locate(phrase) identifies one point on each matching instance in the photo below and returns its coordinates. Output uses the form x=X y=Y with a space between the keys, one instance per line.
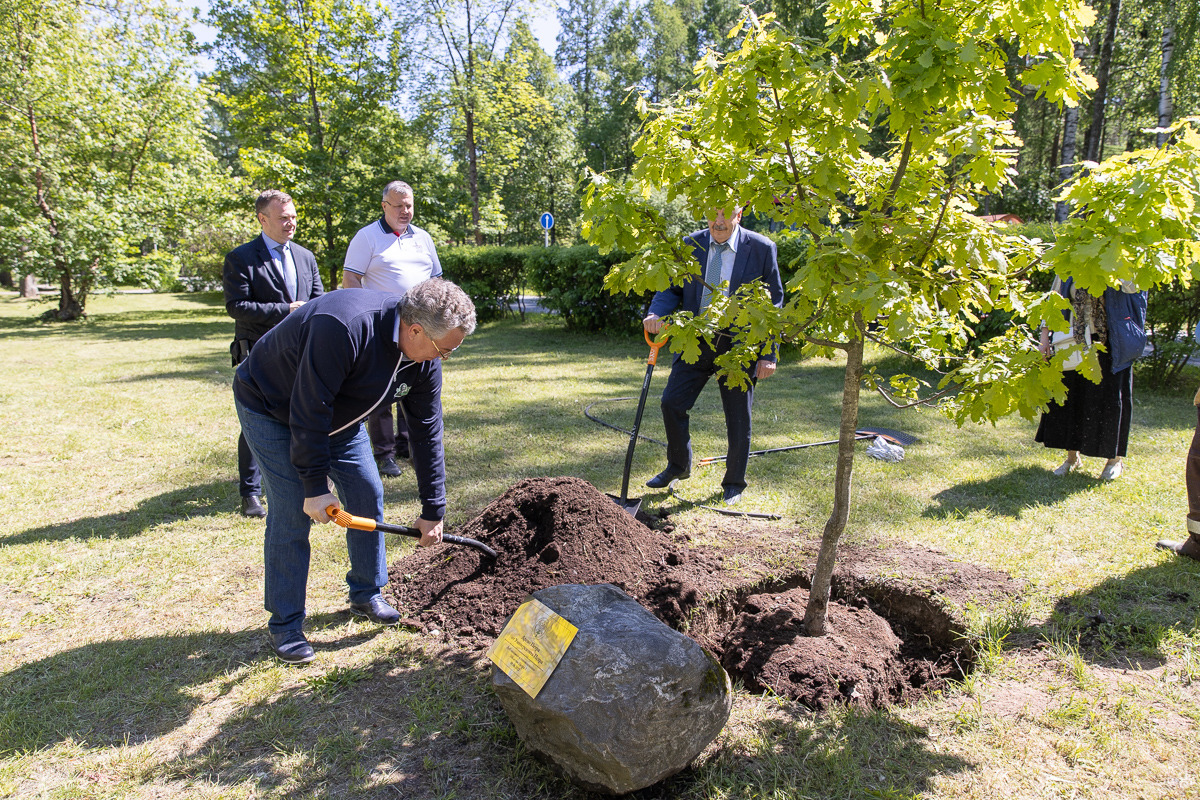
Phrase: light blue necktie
x=289 y=271
x=712 y=272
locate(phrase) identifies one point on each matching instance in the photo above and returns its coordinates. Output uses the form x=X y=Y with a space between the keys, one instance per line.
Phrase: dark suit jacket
x=254 y=293
x=756 y=259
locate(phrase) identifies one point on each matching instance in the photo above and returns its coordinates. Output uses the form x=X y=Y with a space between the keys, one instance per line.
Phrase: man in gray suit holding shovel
x=265 y=279
x=730 y=256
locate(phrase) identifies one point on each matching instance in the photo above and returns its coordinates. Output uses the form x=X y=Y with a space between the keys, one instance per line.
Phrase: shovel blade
x=631 y=504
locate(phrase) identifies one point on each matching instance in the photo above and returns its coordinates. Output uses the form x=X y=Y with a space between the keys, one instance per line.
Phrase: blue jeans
x=285 y=546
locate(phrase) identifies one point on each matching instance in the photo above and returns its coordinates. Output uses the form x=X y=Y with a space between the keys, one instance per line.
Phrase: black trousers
x=1192 y=479
x=683 y=389
x=388 y=438
x=249 y=476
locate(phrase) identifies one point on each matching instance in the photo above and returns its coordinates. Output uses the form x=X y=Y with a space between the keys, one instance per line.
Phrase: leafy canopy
x=874 y=147
x=102 y=140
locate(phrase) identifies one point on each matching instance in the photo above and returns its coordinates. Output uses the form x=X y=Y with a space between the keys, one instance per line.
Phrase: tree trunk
x=1165 y=107
x=1067 y=164
x=330 y=233
x=816 y=614
x=69 y=306
x=473 y=174
x=1094 y=142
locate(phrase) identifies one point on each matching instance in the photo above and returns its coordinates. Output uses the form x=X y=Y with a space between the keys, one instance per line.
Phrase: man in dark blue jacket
x=730 y=255
x=302 y=396
x=265 y=279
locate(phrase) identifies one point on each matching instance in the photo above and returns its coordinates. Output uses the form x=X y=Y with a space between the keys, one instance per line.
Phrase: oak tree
x=874 y=146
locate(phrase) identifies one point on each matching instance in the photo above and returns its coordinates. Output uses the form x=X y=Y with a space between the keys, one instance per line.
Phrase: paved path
x=532 y=304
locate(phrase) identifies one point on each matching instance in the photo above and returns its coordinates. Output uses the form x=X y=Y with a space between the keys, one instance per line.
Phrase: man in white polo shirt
x=390 y=255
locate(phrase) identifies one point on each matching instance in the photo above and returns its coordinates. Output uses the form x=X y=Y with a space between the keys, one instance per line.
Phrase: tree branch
x=924 y=401
x=901 y=168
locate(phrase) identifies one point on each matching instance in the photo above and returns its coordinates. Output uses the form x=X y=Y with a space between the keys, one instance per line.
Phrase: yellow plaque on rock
x=531 y=645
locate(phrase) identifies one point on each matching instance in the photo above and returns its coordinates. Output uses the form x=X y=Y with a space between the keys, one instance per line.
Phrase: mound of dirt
x=857 y=663
x=895 y=620
x=546 y=532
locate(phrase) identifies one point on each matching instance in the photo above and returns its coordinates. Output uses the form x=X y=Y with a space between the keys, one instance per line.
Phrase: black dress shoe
x=389 y=467
x=666 y=477
x=292 y=647
x=1188 y=548
x=252 y=507
x=732 y=495
x=377 y=610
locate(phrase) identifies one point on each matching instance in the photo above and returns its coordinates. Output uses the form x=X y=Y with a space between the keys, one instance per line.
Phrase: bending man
x=301 y=397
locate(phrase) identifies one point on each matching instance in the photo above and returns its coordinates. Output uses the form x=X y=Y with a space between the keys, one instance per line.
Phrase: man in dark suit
x=729 y=256
x=265 y=279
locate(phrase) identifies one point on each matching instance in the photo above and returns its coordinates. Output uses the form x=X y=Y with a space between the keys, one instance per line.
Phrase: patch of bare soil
x=895 y=621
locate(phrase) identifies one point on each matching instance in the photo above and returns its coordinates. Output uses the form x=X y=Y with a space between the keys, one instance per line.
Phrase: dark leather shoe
x=1188 y=548
x=377 y=610
x=666 y=478
x=292 y=647
x=389 y=467
x=252 y=507
x=732 y=495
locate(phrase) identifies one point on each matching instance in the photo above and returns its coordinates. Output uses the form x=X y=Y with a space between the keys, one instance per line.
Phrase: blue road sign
x=547 y=220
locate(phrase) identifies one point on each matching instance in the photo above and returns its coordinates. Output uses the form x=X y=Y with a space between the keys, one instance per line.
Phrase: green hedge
x=571 y=283
x=492 y=276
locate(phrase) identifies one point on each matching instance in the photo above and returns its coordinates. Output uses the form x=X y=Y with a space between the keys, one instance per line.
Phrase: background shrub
x=570 y=281
x=492 y=276
x=1171 y=315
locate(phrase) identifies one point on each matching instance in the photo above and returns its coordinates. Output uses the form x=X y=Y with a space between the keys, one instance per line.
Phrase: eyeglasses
x=444 y=354
x=396 y=205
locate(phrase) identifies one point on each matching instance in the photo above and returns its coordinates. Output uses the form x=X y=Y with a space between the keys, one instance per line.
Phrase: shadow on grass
x=1131 y=620
x=108 y=693
x=414 y=720
x=214 y=368
x=399 y=722
x=215 y=497
x=845 y=754
x=1006 y=495
x=183 y=324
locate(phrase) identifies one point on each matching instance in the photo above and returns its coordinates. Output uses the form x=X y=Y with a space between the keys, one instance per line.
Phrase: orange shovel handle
x=654 y=346
x=349 y=520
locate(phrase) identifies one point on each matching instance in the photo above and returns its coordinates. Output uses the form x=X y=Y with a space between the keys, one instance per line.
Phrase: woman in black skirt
x=1094 y=419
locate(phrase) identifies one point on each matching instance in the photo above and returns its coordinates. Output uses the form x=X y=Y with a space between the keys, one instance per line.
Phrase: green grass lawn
x=133 y=657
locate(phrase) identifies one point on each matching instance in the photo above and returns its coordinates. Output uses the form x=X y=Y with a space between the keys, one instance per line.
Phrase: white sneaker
x=1067 y=466
x=1112 y=471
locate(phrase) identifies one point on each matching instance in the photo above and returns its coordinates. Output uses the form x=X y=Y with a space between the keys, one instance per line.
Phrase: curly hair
x=439 y=306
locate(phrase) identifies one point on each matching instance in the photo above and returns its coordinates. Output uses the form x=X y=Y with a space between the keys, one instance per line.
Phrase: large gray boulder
x=631 y=702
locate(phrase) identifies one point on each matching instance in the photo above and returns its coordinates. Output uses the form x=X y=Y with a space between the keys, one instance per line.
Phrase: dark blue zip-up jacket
x=329 y=363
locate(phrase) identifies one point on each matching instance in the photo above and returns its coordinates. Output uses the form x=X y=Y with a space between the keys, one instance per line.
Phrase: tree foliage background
x=102 y=144
x=132 y=153
x=875 y=145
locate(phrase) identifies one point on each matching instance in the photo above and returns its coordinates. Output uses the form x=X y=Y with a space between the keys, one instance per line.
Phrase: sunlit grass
x=133 y=658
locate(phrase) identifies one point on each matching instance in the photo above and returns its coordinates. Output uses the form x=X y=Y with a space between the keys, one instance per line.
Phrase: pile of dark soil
x=890 y=638
x=546 y=532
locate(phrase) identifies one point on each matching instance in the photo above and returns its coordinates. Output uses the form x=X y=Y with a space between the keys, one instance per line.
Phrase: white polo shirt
x=391 y=263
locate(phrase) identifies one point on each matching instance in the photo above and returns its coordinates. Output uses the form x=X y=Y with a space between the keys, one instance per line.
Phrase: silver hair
x=439 y=306
x=399 y=187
